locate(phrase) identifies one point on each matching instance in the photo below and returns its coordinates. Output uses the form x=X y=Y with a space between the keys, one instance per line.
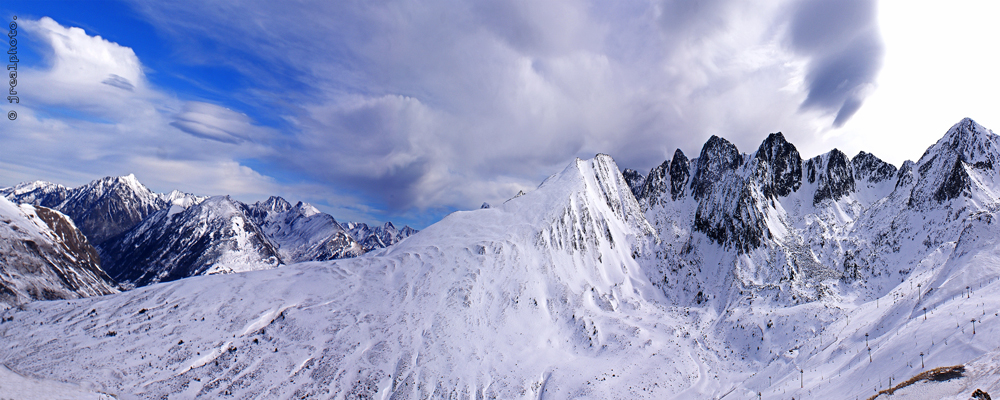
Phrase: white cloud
x=213 y=122
x=448 y=104
x=120 y=124
x=85 y=72
x=442 y=103
x=206 y=177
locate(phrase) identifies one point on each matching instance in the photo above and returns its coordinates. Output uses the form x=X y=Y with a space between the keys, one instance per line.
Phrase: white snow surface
x=37 y=261
x=16 y=387
x=573 y=290
x=177 y=198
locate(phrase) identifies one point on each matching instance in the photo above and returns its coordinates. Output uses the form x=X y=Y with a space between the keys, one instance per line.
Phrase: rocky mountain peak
x=974 y=144
x=717 y=157
x=946 y=169
x=833 y=173
x=656 y=183
x=274 y=204
x=109 y=206
x=127 y=183
x=780 y=166
x=680 y=174
x=869 y=168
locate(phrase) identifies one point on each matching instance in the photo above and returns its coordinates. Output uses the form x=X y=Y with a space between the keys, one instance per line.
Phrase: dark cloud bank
x=446 y=104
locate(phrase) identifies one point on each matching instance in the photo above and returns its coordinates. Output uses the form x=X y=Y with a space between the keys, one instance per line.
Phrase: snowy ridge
x=37 y=193
x=214 y=236
x=578 y=290
x=44 y=257
x=379 y=237
x=474 y=288
x=102 y=209
x=181 y=199
x=302 y=232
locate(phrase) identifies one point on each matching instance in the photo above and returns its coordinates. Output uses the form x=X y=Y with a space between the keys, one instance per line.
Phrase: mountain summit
x=732 y=276
x=102 y=209
x=143 y=237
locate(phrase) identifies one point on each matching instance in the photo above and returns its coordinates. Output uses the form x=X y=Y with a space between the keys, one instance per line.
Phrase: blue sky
x=406 y=111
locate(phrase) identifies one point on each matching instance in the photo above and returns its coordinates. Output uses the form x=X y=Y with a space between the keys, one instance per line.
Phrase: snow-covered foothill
x=43 y=256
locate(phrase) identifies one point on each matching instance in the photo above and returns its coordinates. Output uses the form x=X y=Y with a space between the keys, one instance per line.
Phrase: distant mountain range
x=144 y=237
x=732 y=274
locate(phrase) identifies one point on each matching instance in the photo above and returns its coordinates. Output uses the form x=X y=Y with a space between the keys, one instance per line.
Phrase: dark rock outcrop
x=717 y=157
x=834 y=174
x=43 y=256
x=656 y=184
x=869 y=168
x=780 y=168
x=680 y=173
x=635 y=181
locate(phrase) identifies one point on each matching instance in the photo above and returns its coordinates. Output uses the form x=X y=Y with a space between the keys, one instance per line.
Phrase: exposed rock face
x=680 y=173
x=656 y=183
x=101 y=209
x=733 y=216
x=869 y=168
x=906 y=176
x=956 y=182
x=967 y=154
x=43 y=256
x=834 y=174
x=717 y=158
x=730 y=201
x=635 y=181
x=215 y=236
x=780 y=169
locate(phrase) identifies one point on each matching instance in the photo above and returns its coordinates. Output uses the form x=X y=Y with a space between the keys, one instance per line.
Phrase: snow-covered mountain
x=144 y=237
x=181 y=199
x=217 y=235
x=37 y=193
x=733 y=275
x=43 y=256
x=222 y=235
x=102 y=209
x=303 y=233
x=372 y=238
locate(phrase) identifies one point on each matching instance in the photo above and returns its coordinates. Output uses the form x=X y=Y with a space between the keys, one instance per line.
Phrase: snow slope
x=43 y=256
x=578 y=290
x=541 y=295
x=214 y=236
x=303 y=233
